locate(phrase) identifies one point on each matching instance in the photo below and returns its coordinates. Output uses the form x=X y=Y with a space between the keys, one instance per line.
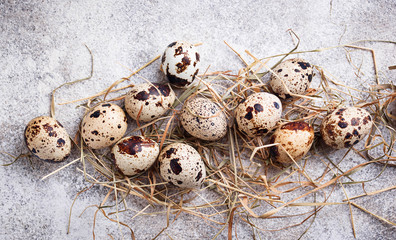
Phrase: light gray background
x=41 y=47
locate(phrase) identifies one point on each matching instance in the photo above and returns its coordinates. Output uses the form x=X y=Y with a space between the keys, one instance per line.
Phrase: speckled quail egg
x=104 y=125
x=203 y=119
x=134 y=154
x=345 y=127
x=295 y=137
x=258 y=114
x=152 y=100
x=182 y=165
x=180 y=63
x=47 y=139
x=295 y=74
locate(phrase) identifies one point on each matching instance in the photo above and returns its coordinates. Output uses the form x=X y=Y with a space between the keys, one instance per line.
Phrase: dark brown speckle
x=133 y=145
x=60 y=143
x=198 y=177
x=170 y=151
x=172 y=44
x=348 y=136
x=276 y=105
x=297 y=126
x=342 y=124
x=95 y=114
x=175 y=166
x=258 y=108
x=182 y=66
x=304 y=65
x=356 y=133
x=179 y=82
x=249 y=114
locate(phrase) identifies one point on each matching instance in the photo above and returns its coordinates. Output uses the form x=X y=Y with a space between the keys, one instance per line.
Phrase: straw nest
x=246 y=184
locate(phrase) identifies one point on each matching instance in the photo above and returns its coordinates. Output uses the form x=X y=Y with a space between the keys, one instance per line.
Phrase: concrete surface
x=41 y=47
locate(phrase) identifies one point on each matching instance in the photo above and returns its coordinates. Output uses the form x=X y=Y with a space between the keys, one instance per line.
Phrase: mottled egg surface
x=182 y=165
x=203 y=119
x=104 y=125
x=296 y=74
x=345 y=127
x=296 y=138
x=47 y=139
x=258 y=114
x=180 y=63
x=134 y=154
x=152 y=100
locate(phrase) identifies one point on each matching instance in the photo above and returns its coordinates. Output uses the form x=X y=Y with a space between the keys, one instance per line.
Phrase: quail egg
x=295 y=74
x=182 y=165
x=47 y=139
x=345 y=127
x=295 y=137
x=258 y=114
x=180 y=63
x=151 y=100
x=104 y=125
x=134 y=154
x=203 y=119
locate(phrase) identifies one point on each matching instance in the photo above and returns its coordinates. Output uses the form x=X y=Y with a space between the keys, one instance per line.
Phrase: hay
x=248 y=185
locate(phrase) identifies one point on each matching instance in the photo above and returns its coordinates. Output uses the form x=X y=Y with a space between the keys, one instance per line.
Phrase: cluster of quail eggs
x=261 y=112
x=202 y=118
x=105 y=125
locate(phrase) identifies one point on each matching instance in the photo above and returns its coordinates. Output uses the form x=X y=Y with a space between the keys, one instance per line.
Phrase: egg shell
x=153 y=99
x=296 y=74
x=258 y=114
x=47 y=139
x=345 y=127
x=104 y=125
x=203 y=119
x=295 y=137
x=180 y=63
x=182 y=165
x=134 y=154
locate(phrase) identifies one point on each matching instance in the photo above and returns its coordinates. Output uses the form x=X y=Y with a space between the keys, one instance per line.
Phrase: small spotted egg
x=134 y=154
x=180 y=63
x=296 y=138
x=258 y=114
x=182 y=165
x=47 y=139
x=295 y=74
x=203 y=119
x=104 y=125
x=345 y=127
x=151 y=100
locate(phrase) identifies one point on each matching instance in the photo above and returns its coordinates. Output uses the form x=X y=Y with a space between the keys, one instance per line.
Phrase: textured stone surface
x=42 y=47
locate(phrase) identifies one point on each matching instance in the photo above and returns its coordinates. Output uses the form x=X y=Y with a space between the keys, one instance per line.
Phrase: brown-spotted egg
x=203 y=119
x=345 y=127
x=134 y=154
x=180 y=63
x=151 y=100
x=258 y=114
x=47 y=139
x=182 y=165
x=295 y=74
x=295 y=138
x=104 y=125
